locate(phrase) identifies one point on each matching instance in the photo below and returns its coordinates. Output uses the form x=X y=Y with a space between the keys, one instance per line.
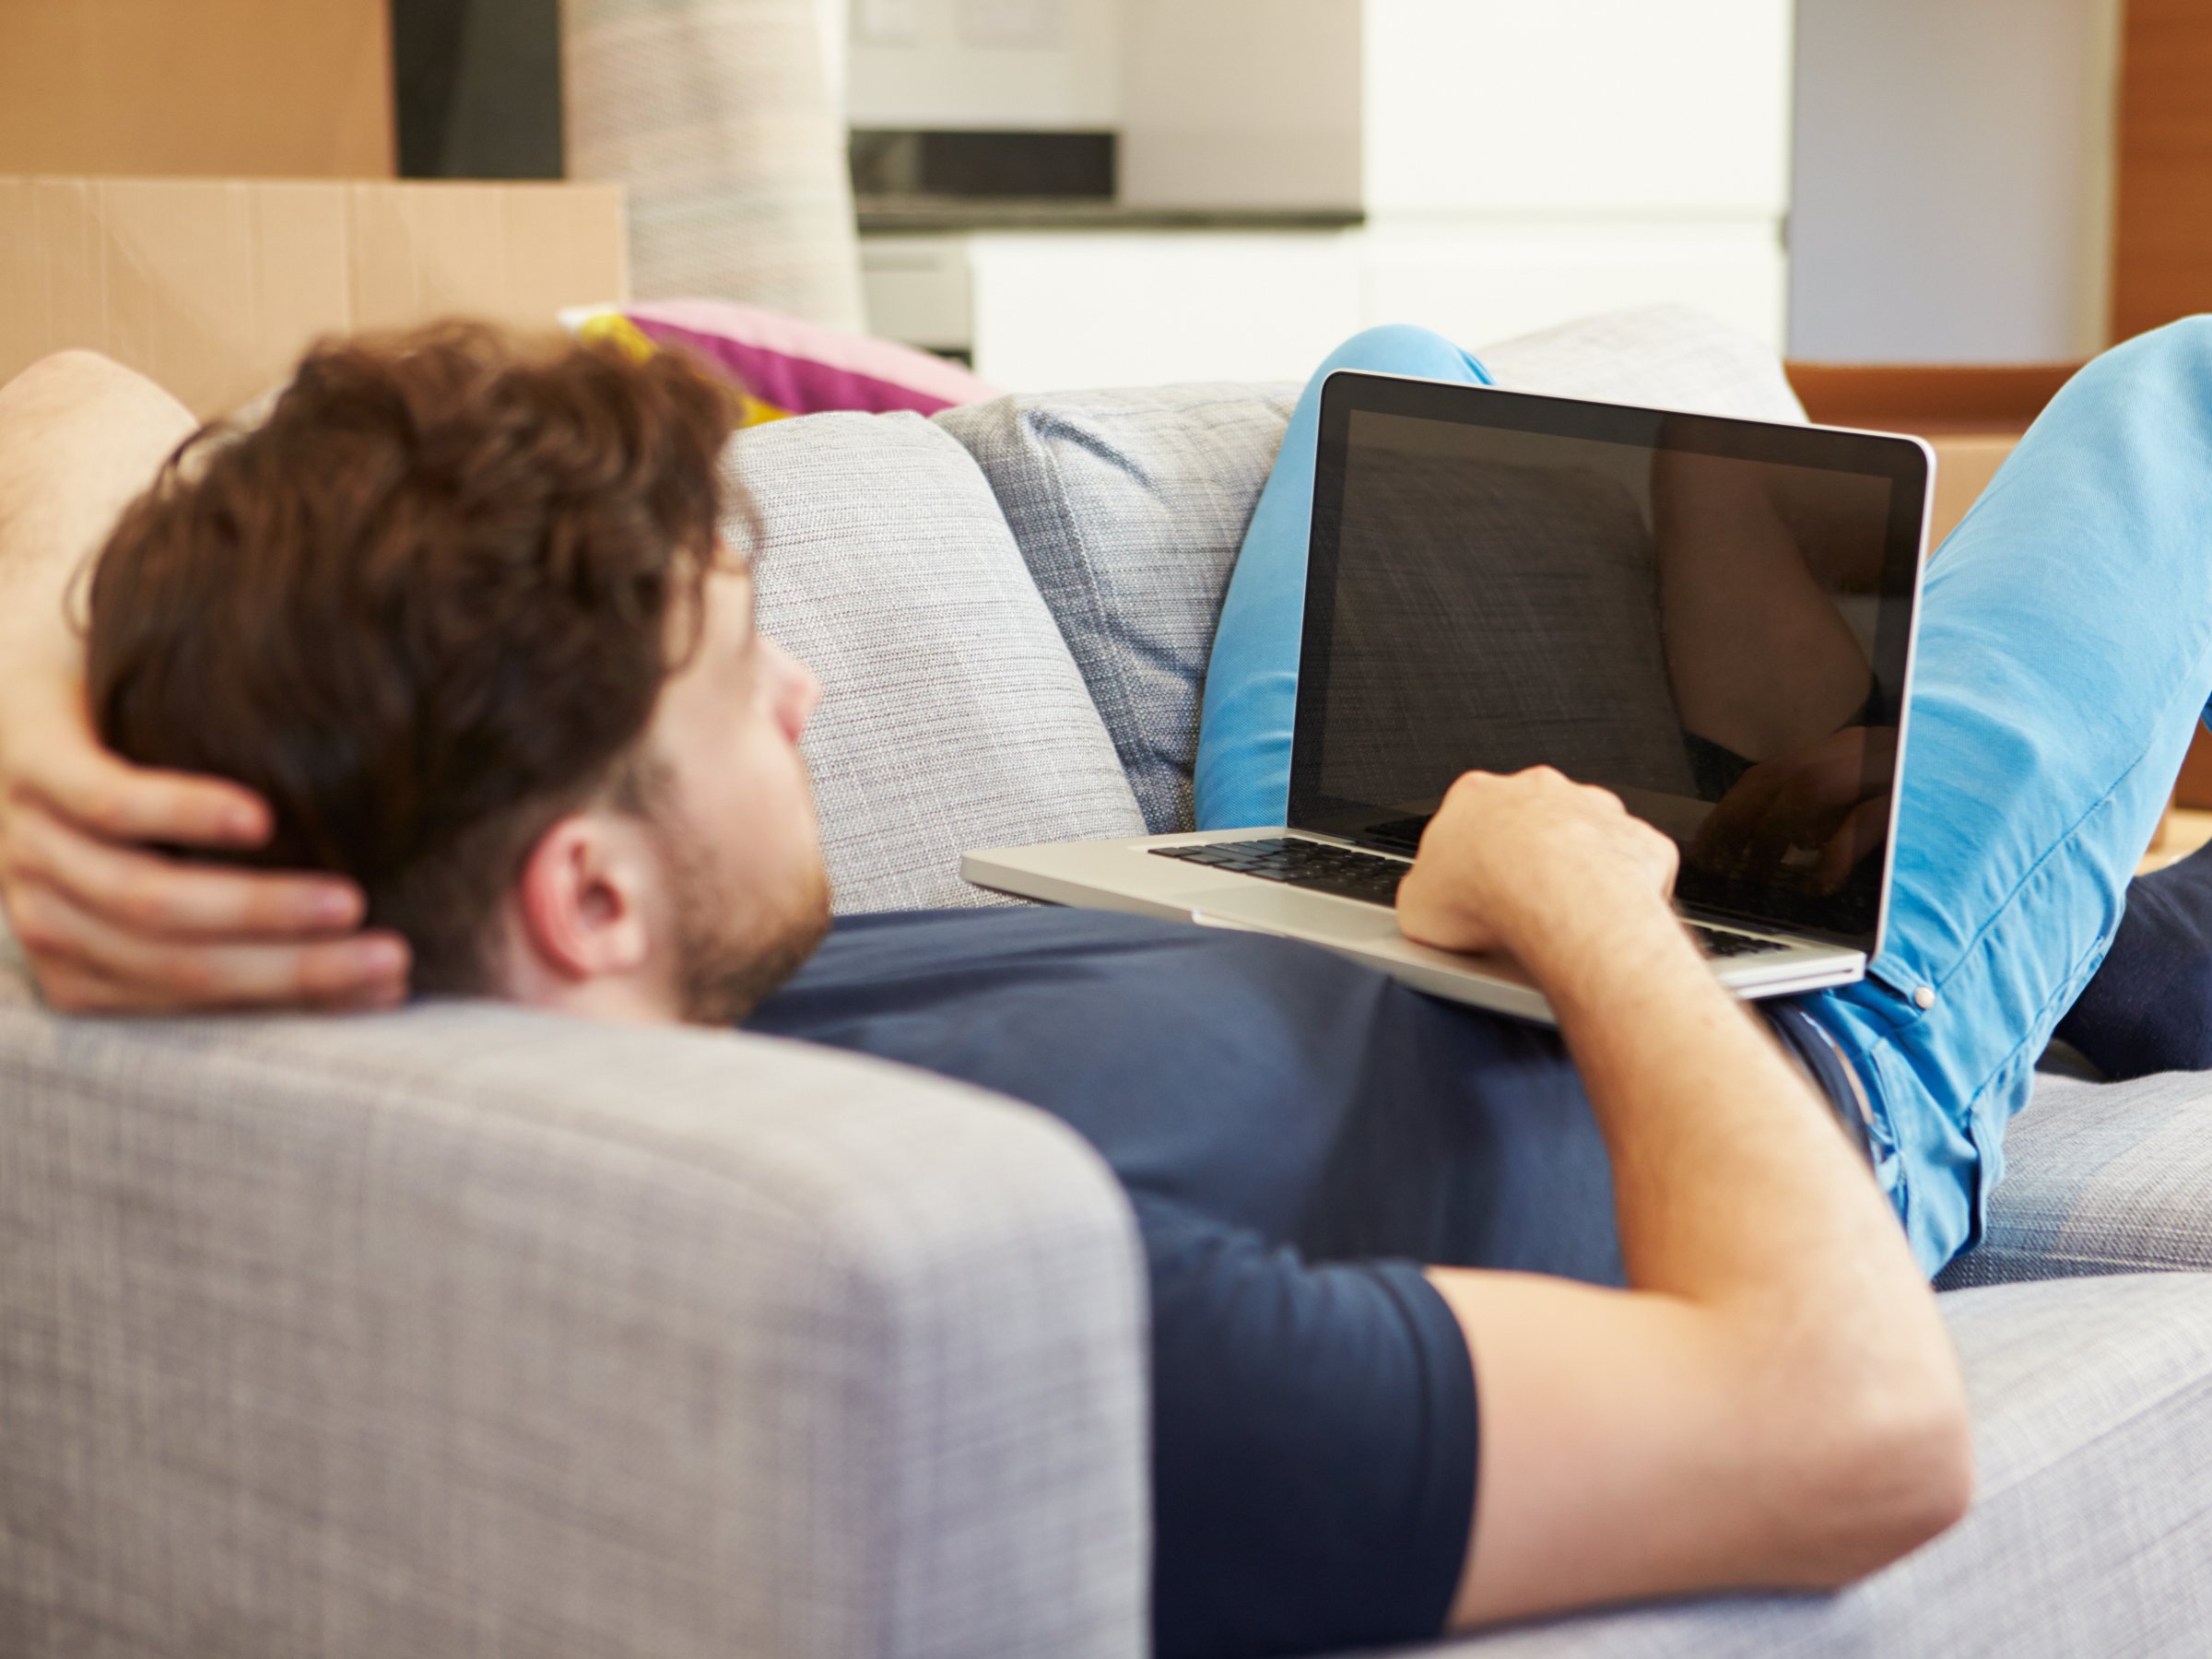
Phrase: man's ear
x=584 y=901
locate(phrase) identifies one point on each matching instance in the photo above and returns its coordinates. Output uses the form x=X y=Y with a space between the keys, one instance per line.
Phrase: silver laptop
x=1712 y=618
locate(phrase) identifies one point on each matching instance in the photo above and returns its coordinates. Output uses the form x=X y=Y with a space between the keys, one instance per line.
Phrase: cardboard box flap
x=215 y=287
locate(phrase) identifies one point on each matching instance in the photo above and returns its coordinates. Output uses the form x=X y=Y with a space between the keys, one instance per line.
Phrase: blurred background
x=1082 y=192
x=1935 y=210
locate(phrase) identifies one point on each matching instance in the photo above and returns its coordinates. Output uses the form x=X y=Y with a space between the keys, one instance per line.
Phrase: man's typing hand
x=111 y=925
x=1525 y=862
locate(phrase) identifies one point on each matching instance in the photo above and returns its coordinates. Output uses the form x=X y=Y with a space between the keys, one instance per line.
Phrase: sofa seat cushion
x=1130 y=505
x=2101 y=1178
x=2091 y=1527
x=952 y=716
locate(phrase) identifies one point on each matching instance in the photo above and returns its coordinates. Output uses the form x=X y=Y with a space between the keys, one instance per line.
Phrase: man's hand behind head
x=107 y=924
x=1528 y=862
x=426 y=612
x=110 y=926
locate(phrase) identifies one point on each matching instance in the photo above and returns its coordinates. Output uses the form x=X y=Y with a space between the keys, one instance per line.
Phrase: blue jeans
x=2064 y=659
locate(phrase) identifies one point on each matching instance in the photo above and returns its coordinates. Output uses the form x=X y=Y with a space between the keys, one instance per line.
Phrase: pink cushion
x=787 y=367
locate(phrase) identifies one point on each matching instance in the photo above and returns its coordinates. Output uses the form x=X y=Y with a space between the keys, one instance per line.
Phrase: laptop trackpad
x=1267 y=908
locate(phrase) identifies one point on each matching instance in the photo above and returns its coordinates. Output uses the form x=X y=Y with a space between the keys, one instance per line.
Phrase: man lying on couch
x=457 y=619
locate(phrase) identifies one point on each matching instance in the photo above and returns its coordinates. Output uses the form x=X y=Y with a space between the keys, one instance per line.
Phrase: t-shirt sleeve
x=1315 y=1443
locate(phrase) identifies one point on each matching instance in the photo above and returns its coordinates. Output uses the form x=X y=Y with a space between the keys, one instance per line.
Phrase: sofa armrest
x=467 y=1330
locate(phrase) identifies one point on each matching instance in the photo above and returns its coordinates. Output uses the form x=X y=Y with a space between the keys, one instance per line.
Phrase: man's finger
x=69 y=989
x=378 y=998
x=148 y=894
x=160 y=975
x=90 y=787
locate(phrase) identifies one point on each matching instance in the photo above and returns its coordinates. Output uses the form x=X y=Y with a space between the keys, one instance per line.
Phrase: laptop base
x=1126 y=876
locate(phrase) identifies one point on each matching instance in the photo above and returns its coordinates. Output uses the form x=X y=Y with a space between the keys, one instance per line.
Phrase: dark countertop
x=951 y=215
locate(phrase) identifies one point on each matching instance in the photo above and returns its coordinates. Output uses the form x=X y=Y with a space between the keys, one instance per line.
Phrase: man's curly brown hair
x=425 y=609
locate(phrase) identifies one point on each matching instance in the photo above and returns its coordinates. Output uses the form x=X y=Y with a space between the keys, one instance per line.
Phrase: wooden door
x=2162 y=231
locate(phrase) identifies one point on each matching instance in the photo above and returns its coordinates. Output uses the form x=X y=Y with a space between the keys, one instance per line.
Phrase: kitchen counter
x=953 y=215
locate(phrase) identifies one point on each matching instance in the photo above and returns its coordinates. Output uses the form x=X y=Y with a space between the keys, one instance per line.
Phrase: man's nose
x=801 y=694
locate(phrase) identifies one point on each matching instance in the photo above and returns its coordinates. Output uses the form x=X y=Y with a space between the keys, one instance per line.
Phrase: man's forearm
x=1738 y=1196
x=79 y=437
x=1773 y=1401
x=1731 y=1179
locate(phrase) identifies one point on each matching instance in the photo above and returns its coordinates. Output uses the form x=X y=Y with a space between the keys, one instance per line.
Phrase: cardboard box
x=1965 y=463
x=262 y=88
x=1972 y=413
x=215 y=287
x=1928 y=398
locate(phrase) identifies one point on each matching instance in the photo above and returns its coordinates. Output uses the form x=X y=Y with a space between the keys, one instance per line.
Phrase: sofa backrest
x=952 y=716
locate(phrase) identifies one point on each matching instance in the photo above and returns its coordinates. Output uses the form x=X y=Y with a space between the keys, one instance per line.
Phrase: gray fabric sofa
x=467 y=1331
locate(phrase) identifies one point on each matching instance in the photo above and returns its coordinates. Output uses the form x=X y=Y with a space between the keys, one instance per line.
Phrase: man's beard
x=728 y=961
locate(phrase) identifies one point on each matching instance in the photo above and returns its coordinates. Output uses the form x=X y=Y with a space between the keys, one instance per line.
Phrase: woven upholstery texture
x=1130 y=505
x=2091 y=1531
x=952 y=716
x=469 y=1331
x=2100 y=1177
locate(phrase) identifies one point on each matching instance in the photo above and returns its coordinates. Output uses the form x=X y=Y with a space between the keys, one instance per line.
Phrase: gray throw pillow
x=1130 y=506
x=952 y=716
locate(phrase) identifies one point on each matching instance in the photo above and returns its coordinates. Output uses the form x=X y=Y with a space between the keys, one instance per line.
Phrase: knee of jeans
x=2190 y=336
x=2182 y=347
x=1407 y=349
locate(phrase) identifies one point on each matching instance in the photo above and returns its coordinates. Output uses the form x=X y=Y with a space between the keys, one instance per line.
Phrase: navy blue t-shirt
x=1298 y=1134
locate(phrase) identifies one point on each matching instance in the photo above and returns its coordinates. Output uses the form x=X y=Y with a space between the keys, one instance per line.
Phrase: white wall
x=984 y=64
x=1952 y=192
x=1560 y=107
x=1054 y=311
x=1245 y=103
x=1528 y=162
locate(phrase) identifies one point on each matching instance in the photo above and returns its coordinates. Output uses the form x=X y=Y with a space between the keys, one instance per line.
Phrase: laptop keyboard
x=1321 y=866
x=1349 y=873
x=1720 y=942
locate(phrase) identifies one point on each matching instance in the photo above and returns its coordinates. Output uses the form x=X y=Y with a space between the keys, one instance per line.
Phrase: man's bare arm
x=107 y=924
x=1773 y=1402
x=83 y=436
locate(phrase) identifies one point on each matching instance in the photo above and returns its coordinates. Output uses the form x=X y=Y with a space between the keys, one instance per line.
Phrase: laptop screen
x=1711 y=618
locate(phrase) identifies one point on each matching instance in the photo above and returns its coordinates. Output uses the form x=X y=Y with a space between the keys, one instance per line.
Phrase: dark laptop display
x=1703 y=615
